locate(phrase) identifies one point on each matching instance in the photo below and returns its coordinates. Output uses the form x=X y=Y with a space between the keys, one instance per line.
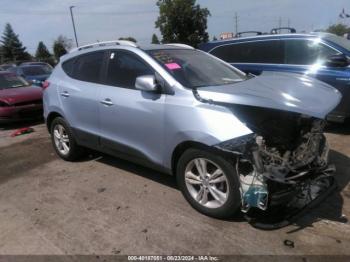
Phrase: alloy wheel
x=61 y=139
x=206 y=182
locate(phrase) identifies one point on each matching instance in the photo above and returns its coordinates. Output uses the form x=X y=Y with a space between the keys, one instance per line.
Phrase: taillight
x=45 y=84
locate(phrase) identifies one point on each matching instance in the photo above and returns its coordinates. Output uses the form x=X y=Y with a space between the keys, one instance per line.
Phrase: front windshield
x=341 y=41
x=36 y=70
x=11 y=81
x=193 y=68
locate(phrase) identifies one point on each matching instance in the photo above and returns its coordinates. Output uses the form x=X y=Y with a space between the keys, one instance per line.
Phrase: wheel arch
x=50 y=118
x=182 y=147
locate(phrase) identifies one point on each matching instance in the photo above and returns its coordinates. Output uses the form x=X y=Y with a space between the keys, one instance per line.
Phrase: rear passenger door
x=252 y=56
x=79 y=95
x=131 y=120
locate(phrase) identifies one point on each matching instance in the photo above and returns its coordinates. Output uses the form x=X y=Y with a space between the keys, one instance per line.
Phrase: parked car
x=48 y=66
x=232 y=140
x=320 y=55
x=35 y=74
x=5 y=67
x=18 y=99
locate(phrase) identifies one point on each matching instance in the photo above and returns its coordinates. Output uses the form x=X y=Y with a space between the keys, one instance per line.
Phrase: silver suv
x=234 y=141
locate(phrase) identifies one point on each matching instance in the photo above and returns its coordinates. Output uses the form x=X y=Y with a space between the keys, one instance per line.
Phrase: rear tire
x=209 y=183
x=64 y=141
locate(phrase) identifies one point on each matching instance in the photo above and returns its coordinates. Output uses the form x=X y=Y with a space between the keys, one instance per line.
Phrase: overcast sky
x=44 y=20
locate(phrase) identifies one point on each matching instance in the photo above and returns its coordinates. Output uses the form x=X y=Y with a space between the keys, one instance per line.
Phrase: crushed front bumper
x=309 y=196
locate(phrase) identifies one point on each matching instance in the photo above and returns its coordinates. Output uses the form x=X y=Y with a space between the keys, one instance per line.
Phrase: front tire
x=64 y=141
x=209 y=183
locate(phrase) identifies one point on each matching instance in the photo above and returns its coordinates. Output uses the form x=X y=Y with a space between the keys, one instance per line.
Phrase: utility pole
x=236 y=23
x=288 y=22
x=75 y=33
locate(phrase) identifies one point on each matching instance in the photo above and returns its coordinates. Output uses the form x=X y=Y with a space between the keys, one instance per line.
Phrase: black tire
x=233 y=201
x=75 y=151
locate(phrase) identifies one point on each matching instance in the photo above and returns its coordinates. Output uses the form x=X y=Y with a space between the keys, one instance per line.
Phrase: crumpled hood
x=282 y=91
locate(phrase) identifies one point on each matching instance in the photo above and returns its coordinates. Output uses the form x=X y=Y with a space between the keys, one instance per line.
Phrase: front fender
x=203 y=123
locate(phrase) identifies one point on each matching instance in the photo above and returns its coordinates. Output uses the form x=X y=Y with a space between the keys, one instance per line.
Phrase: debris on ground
x=100 y=190
x=22 y=131
x=288 y=243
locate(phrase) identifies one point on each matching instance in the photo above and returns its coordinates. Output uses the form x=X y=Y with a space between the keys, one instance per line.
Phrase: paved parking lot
x=103 y=205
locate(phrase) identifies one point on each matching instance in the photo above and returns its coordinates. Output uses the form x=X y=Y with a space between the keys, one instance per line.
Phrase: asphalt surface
x=103 y=205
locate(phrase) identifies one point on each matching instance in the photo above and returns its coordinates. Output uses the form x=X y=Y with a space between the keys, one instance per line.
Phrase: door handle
x=65 y=94
x=107 y=102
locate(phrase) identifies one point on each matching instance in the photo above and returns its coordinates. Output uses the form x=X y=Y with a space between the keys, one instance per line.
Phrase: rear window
x=251 y=52
x=11 y=81
x=35 y=70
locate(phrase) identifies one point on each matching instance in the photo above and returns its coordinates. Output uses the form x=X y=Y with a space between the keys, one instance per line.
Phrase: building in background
x=227 y=35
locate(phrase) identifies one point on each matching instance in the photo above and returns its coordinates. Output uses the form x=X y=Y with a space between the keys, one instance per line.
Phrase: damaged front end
x=284 y=163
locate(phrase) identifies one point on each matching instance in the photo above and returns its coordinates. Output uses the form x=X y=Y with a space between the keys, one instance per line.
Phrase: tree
x=61 y=45
x=58 y=49
x=338 y=29
x=2 y=60
x=155 y=39
x=129 y=38
x=42 y=53
x=12 y=47
x=66 y=42
x=214 y=38
x=182 y=21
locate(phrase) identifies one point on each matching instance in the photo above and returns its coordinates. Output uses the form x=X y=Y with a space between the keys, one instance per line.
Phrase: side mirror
x=146 y=83
x=339 y=60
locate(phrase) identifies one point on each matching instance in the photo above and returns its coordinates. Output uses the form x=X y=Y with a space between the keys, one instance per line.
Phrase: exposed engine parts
x=310 y=154
x=269 y=171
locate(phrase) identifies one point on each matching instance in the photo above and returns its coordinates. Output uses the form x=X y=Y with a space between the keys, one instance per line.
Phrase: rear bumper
x=19 y=113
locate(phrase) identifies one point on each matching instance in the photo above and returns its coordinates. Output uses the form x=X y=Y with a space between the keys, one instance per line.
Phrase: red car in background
x=18 y=99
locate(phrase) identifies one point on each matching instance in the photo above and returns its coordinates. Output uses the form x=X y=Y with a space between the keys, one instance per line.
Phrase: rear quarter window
x=86 y=67
x=68 y=66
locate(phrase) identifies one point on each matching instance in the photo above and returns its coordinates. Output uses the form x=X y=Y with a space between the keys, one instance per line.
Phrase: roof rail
x=105 y=43
x=277 y=30
x=181 y=45
x=240 y=34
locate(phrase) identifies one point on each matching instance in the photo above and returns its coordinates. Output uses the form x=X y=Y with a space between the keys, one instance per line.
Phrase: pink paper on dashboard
x=173 y=66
